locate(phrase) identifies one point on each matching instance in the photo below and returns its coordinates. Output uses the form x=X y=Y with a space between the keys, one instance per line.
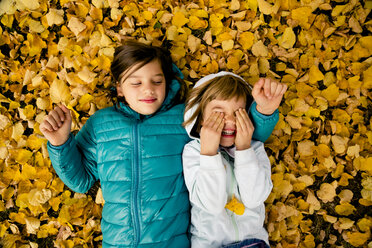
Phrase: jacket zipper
x=232 y=182
x=135 y=170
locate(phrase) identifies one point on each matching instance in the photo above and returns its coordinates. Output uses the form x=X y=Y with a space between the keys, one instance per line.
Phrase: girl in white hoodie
x=228 y=174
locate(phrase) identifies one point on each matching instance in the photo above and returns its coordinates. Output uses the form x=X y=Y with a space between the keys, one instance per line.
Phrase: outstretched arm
x=73 y=159
x=264 y=112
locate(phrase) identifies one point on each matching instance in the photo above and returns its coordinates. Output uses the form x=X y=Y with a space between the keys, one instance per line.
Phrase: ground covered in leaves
x=61 y=50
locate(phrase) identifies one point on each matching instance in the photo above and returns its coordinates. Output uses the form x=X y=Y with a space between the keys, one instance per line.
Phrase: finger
x=267 y=88
x=274 y=86
x=258 y=86
x=284 y=89
x=50 y=119
x=278 y=90
x=218 y=121
x=45 y=126
x=238 y=124
x=250 y=124
x=240 y=120
x=210 y=122
x=67 y=112
x=56 y=117
x=60 y=112
x=221 y=125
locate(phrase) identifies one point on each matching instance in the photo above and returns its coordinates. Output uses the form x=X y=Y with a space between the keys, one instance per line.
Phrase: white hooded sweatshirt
x=213 y=180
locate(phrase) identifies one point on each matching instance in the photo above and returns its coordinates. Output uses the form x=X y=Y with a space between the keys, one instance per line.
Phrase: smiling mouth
x=148 y=100
x=228 y=132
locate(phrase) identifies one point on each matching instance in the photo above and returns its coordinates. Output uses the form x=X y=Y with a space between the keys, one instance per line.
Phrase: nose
x=229 y=119
x=148 y=89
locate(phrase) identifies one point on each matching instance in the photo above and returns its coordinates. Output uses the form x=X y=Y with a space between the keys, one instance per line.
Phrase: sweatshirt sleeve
x=263 y=124
x=253 y=175
x=205 y=178
x=75 y=161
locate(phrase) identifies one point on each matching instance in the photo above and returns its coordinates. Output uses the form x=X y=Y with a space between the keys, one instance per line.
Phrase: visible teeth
x=228 y=132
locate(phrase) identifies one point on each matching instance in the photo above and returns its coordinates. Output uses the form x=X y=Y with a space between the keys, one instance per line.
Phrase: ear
x=119 y=90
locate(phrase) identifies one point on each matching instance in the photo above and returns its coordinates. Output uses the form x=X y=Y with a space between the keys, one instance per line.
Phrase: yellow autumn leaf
x=216 y=23
x=55 y=17
x=329 y=218
x=341 y=116
x=309 y=241
x=302 y=15
x=326 y=193
x=59 y=92
x=27 y=113
x=288 y=38
x=28 y=171
x=29 y=4
x=18 y=217
x=4 y=122
x=197 y=23
x=99 y=197
x=259 y=49
x=37 y=197
x=345 y=209
x=246 y=39
x=331 y=93
x=232 y=63
x=367 y=188
x=179 y=19
x=35 y=26
x=315 y=74
x=193 y=43
x=306 y=148
x=345 y=223
x=23 y=156
x=313 y=201
x=235 y=206
x=227 y=45
x=365 y=224
x=76 y=26
x=86 y=75
x=32 y=225
x=357 y=239
x=268 y=9
x=339 y=143
x=367 y=75
x=345 y=195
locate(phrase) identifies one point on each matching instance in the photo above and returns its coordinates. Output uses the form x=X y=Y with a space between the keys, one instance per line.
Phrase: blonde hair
x=223 y=88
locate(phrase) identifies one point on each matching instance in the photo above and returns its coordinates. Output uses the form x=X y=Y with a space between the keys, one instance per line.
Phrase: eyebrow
x=156 y=75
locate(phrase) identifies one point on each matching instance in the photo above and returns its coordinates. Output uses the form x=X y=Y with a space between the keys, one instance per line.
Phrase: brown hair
x=135 y=54
x=223 y=88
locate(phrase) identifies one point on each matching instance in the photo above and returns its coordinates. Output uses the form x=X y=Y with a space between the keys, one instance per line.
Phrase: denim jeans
x=248 y=243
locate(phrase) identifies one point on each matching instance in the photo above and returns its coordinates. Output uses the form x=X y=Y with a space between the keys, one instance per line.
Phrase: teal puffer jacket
x=138 y=162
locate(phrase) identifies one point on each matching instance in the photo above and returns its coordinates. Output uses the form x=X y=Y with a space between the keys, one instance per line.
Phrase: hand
x=56 y=126
x=210 y=134
x=268 y=94
x=244 y=130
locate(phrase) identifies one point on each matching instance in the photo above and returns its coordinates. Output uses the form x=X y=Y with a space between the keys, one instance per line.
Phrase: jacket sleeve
x=75 y=161
x=263 y=124
x=253 y=175
x=205 y=178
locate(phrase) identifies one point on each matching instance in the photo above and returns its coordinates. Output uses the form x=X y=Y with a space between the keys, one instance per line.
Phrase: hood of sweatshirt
x=189 y=113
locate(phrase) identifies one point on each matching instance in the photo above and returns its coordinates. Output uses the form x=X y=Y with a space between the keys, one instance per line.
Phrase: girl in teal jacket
x=135 y=150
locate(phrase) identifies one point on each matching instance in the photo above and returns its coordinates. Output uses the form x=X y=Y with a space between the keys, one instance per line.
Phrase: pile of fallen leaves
x=60 y=51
